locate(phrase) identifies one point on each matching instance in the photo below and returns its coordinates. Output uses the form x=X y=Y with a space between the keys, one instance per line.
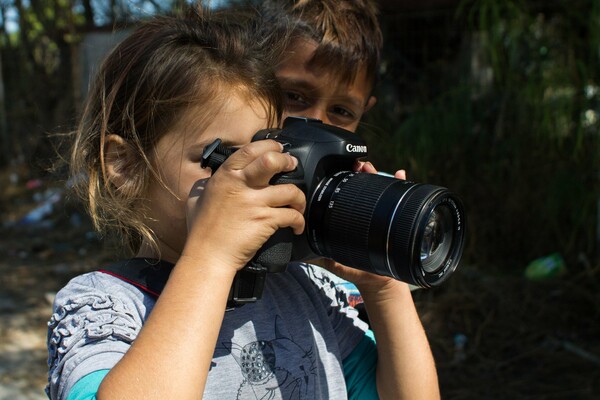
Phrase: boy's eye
x=295 y=98
x=343 y=112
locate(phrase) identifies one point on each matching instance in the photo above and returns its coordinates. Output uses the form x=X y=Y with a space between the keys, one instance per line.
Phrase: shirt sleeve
x=359 y=369
x=93 y=324
x=87 y=387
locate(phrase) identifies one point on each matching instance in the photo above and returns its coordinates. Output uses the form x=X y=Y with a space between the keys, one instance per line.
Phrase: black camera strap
x=151 y=276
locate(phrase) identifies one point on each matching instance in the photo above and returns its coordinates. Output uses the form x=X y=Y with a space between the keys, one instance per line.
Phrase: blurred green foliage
x=497 y=100
x=500 y=101
x=40 y=64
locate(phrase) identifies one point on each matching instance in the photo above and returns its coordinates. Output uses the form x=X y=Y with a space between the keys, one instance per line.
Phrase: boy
x=330 y=66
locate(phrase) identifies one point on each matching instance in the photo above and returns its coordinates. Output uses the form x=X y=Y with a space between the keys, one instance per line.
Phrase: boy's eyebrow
x=297 y=82
x=303 y=84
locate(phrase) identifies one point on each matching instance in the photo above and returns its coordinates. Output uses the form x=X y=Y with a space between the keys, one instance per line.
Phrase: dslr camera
x=409 y=231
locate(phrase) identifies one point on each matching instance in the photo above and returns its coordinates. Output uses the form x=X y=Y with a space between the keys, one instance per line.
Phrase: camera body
x=322 y=152
x=409 y=231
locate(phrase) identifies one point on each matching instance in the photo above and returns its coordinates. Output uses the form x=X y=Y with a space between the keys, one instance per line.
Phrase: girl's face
x=177 y=159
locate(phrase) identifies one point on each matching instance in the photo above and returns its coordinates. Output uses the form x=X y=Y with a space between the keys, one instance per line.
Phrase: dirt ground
x=494 y=336
x=38 y=255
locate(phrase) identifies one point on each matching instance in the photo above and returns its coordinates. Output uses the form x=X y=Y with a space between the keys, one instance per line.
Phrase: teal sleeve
x=87 y=387
x=359 y=369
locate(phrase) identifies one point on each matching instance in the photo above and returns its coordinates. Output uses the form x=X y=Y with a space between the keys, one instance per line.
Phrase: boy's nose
x=318 y=113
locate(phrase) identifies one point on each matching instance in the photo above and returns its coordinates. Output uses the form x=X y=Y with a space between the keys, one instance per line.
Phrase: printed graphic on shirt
x=277 y=365
x=354 y=296
x=347 y=293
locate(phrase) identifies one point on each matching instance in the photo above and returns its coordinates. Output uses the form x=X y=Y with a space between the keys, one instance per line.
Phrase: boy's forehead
x=299 y=69
x=312 y=56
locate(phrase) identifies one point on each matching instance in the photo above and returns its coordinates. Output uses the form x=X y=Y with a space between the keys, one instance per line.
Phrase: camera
x=409 y=231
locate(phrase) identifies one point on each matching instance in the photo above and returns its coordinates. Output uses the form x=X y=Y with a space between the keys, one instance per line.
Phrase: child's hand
x=362 y=166
x=234 y=212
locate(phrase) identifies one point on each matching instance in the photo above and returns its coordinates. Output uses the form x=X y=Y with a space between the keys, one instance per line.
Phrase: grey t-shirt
x=288 y=345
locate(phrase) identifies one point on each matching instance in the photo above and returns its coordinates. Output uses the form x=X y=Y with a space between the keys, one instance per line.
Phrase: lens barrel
x=409 y=231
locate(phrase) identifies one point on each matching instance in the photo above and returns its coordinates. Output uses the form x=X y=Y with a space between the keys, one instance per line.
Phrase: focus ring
x=404 y=232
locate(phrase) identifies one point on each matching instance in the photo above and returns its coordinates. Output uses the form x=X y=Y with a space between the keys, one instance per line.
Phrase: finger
x=289 y=218
x=260 y=171
x=250 y=152
x=400 y=174
x=367 y=167
x=287 y=195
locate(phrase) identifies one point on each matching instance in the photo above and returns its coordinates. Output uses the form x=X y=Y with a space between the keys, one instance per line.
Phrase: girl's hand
x=234 y=212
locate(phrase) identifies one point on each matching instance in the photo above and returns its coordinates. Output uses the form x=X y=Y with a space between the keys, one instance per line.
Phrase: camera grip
x=275 y=253
x=273 y=256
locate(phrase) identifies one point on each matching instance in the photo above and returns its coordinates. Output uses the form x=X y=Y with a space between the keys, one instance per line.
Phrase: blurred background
x=497 y=100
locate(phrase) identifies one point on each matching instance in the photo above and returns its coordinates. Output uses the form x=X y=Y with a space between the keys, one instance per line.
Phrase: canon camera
x=412 y=232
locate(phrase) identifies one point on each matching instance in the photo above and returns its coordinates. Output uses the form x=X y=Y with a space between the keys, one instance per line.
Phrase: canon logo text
x=352 y=148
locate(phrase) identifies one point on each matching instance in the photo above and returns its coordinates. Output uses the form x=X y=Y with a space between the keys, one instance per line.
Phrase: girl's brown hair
x=164 y=67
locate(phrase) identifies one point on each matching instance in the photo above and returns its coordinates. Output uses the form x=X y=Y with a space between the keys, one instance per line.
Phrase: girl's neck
x=157 y=251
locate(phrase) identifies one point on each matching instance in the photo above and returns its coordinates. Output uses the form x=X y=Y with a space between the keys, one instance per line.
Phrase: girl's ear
x=119 y=157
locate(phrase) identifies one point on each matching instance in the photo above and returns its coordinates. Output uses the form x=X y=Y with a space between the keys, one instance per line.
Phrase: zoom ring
x=350 y=217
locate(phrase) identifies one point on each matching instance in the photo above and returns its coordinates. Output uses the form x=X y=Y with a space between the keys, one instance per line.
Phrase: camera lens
x=409 y=231
x=437 y=238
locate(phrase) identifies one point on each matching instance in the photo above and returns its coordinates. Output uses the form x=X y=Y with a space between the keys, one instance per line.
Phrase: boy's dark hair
x=346 y=32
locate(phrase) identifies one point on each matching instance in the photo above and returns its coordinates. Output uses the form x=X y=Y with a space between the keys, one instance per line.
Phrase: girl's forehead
x=225 y=97
x=232 y=117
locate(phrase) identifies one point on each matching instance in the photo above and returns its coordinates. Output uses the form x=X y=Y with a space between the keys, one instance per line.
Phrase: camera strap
x=151 y=276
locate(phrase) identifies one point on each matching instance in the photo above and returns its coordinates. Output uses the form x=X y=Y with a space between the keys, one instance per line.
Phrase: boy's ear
x=370 y=103
x=118 y=159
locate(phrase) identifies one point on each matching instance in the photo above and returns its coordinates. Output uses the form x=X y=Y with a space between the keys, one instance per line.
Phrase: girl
x=166 y=92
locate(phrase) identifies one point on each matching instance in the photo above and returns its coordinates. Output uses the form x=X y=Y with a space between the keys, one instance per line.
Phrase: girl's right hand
x=234 y=212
